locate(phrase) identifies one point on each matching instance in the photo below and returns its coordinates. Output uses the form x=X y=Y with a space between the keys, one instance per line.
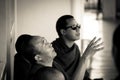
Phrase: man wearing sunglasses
x=68 y=54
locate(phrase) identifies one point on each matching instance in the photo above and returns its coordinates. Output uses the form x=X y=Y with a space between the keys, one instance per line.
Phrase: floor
x=102 y=64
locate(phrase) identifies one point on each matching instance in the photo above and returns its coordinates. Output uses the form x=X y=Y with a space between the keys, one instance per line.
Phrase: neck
x=45 y=64
x=69 y=43
x=49 y=64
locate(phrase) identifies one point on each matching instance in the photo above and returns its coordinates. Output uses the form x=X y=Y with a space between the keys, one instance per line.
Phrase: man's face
x=72 y=31
x=44 y=48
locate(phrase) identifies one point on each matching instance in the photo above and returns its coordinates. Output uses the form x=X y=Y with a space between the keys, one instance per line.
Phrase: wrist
x=84 y=57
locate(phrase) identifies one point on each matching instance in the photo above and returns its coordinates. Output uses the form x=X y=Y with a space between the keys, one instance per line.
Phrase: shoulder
x=60 y=68
x=49 y=73
x=75 y=45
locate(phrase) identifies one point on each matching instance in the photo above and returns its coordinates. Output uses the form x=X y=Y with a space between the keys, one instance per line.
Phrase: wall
x=109 y=9
x=10 y=31
x=3 y=37
x=7 y=37
x=39 y=16
x=3 y=34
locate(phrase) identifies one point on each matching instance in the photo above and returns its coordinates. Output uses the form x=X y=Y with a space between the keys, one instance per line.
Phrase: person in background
x=34 y=53
x=116 y=50
x=99 y=9
x=68 y=54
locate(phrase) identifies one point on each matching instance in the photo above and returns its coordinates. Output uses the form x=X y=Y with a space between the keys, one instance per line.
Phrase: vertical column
x=10 y=32
x=77 y=10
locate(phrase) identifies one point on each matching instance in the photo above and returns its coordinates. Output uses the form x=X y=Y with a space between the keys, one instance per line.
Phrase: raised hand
x=94 y=46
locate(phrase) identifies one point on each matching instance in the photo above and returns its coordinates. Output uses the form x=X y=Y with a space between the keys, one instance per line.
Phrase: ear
x=38 y=57
x=63 y=32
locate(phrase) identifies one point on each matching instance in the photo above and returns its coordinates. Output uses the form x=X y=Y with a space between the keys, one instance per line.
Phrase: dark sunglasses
x=73 y=27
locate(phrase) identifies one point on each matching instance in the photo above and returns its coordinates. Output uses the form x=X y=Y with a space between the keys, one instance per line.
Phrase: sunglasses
x=74 y=27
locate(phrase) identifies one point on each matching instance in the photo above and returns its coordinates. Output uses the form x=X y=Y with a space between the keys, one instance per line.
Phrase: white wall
x=10 y=30
x=7 y=37
x=39 y=16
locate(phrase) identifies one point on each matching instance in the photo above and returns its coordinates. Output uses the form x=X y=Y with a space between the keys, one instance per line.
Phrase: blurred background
x=38 y=17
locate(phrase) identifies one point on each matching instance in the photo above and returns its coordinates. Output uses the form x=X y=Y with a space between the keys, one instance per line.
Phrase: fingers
x=98 y=47
x=97 y=40
x=95 y=45
x=94 y=42
x=91 y=42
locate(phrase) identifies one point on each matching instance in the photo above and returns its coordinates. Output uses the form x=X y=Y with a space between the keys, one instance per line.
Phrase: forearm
x=81 y=69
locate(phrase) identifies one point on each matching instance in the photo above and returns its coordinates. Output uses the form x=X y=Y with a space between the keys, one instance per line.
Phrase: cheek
x=70 y=32
x=53 y=55
x=48 y=53
x=70 y=35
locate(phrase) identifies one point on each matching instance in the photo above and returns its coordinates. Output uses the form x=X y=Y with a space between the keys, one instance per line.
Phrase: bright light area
x=101 y=65
x=91 y=26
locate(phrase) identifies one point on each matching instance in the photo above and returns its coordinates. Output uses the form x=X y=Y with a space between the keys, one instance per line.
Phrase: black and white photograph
x=59 y=39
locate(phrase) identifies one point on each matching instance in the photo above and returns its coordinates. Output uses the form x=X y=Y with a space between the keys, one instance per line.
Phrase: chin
x=77 y=38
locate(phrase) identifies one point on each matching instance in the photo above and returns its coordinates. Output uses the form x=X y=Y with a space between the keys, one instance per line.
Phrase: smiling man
x=34 y=53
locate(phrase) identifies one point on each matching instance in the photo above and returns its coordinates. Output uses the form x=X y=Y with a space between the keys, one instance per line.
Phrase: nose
x=48 y=45
x=77 y=29
x=44 y=41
